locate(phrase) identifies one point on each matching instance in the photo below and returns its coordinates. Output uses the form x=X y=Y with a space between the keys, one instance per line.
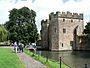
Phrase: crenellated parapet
x=65 y=15
x=44 y=22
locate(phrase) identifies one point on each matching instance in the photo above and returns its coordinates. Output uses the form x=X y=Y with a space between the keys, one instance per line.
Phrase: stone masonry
x=44 y=33
x=60 y=31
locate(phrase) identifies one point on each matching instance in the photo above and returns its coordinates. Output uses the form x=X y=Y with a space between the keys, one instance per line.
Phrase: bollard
x=47 y=59
x=46 y=56
x=85 y=65
x=60 y=62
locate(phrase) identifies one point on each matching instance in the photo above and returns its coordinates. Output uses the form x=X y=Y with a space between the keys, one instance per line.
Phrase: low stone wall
x=84 y=42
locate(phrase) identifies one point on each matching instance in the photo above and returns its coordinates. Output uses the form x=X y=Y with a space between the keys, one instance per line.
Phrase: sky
x=44 y=7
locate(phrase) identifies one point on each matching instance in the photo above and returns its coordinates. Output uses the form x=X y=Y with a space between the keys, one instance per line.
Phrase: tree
x=87 y=28
x=3 y=34
x=21 y=25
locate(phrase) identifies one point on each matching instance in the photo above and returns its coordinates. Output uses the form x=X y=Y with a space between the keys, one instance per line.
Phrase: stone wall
x=62 y=30
x=66 y=39
x=83 y=42
x=53 y=34
x=66 y=15
x=44 y=33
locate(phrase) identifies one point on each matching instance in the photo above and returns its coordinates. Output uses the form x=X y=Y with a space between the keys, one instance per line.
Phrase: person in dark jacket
x=21 y=47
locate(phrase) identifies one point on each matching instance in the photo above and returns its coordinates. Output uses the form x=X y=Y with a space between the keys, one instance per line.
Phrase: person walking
x=21 y=47
x=15 y=46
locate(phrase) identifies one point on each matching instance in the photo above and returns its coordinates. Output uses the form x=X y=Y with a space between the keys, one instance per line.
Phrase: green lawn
x=8 y=59
x=49 y=63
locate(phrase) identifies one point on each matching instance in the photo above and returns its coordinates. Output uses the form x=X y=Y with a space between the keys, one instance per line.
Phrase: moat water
x=74 y=59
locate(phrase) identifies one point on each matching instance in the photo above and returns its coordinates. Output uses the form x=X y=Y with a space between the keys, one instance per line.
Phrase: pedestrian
x=15 y=46
x=22 y=46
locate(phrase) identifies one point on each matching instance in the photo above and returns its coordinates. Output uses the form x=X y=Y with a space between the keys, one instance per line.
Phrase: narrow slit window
x=62 y=44
x=63 y=20
x=55 y=30
x=71 y=20
x=64 y=30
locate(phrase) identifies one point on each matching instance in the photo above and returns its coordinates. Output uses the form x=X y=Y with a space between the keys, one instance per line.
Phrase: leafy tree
x=21 y=25
x=3 y=34
x=87 y=28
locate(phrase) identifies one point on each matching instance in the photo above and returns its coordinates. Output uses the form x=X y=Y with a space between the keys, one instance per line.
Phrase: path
x=29 y=61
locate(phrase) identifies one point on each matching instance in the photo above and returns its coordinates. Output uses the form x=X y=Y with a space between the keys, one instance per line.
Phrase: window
x=64 y=30
x=55 y=30
x=63 y=20
x=71 y=20
x=62 y=44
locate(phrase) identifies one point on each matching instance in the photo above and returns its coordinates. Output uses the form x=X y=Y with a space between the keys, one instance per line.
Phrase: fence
x=61 y=61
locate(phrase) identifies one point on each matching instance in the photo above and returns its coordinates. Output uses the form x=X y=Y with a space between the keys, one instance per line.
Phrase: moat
x=74 y=59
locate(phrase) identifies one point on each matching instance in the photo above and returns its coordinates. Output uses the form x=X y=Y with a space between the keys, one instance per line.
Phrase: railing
x=61 y=61
x=86 y=66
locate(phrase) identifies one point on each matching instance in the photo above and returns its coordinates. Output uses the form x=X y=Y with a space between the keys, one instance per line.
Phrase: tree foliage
x=21 y=25
x=3 y=34
x=87 y=28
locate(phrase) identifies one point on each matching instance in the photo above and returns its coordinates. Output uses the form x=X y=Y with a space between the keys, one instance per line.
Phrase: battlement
x=44 y=21
x=66 y=15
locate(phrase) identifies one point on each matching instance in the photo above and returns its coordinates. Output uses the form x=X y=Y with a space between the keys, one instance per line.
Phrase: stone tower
x=44 y=33
x=63 y=29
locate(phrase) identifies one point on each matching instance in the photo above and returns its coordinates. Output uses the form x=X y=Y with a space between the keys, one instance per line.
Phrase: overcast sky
x=44 y=7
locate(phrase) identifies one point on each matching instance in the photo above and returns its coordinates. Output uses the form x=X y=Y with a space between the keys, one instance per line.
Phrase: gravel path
x=29 y=61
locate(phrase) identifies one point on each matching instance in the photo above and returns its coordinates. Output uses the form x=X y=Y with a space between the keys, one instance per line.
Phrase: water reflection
x=75 y=59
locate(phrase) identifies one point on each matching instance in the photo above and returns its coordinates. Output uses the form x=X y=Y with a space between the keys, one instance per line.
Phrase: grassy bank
x=49 y=63
x=8 y=59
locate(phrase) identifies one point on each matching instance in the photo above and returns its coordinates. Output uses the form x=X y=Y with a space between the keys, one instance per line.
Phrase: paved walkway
x=29 y=61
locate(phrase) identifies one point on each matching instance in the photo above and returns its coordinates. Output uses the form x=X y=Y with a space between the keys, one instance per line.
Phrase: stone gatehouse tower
x=45 y=34
x=60 y=31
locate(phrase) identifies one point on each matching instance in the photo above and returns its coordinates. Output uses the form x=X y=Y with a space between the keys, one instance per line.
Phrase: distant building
x=61 y=31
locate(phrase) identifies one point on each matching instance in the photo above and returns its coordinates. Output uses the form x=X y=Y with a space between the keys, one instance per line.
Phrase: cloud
x=44 y=7
x=64 y=1
x=7 y=5
x=79 y=7
x=78 y=0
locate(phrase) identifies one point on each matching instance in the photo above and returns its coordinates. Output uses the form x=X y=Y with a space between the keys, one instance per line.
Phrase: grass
x=48 y=62
x=8 y=59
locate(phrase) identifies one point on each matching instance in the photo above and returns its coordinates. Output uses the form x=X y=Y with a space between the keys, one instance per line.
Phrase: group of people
x=18 y=47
